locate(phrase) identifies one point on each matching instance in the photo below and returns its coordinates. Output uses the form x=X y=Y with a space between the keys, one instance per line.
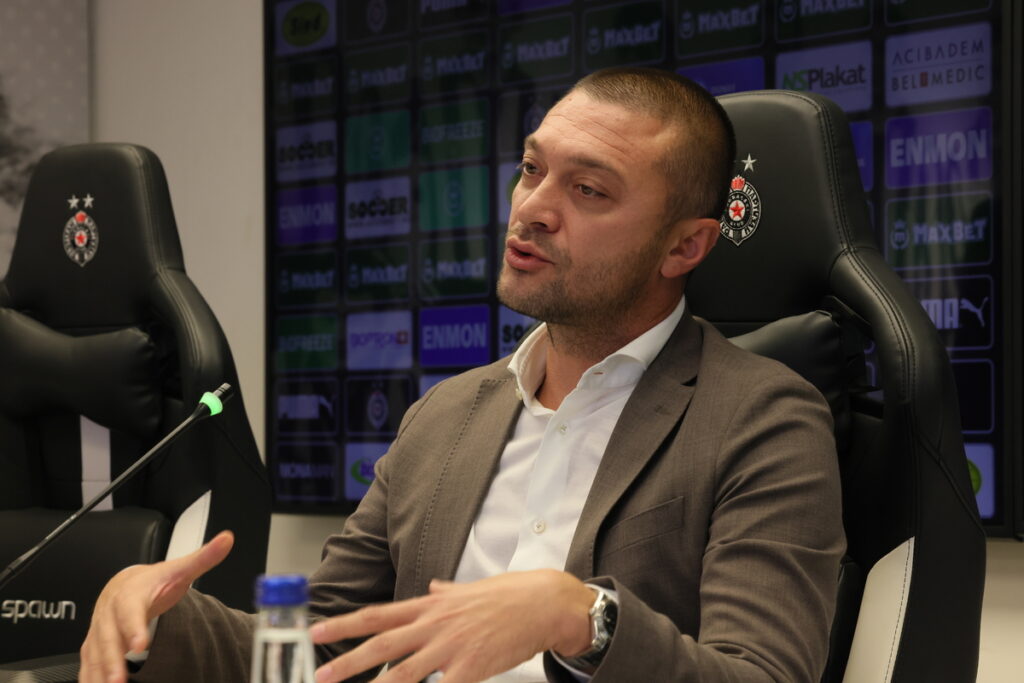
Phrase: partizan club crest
x=742 y=211
x=81 y=235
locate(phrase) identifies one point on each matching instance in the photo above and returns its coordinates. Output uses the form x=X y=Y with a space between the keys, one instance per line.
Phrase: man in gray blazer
x=629 y=498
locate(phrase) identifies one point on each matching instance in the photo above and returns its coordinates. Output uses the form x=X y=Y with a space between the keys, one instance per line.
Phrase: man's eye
x=588 y=191
x=526 y=168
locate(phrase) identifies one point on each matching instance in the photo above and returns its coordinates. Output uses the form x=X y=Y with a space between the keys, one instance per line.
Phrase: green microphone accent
x=213 y=403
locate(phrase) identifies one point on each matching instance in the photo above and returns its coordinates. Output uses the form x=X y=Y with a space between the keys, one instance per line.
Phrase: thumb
x=190 y=567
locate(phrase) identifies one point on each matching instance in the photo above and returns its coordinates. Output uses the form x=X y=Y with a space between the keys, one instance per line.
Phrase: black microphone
x=211 y=403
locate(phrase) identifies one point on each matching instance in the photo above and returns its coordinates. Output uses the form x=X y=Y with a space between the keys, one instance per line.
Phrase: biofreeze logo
x=17 y=610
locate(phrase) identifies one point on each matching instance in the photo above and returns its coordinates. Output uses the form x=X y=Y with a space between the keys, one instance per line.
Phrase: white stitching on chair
x=882 y=612
x=898 y=627
x=190 y=527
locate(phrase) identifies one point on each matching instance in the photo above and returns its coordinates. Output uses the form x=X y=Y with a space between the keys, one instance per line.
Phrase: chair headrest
x=95 y=227
x=795 y=205
x=111 y=378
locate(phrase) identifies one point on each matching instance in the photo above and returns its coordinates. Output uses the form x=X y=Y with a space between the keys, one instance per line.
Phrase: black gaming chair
x=106 y=345
x=797 y=239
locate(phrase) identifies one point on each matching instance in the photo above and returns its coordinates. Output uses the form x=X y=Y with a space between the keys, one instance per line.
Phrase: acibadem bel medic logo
x=624 y=34
x=307 y=342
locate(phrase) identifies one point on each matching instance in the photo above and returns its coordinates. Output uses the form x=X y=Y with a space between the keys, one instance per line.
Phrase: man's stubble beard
x=589 y=297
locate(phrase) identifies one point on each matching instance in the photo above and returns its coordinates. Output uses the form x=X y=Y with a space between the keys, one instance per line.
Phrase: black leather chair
x=105 y=346
x=797 y=239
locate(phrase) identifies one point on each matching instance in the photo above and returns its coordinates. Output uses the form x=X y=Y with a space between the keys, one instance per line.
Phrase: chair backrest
x=797 y=237
x=106 y=345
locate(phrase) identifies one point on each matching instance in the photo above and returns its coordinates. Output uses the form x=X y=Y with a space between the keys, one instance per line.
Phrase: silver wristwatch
x=603 y=615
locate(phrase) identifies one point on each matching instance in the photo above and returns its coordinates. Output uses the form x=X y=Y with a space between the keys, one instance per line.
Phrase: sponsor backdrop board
x=396 y=127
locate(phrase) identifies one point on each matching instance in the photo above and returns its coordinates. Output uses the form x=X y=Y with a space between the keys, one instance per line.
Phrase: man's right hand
x=134 y=596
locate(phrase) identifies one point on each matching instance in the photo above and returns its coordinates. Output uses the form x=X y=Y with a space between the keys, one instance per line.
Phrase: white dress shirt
x=529 y=515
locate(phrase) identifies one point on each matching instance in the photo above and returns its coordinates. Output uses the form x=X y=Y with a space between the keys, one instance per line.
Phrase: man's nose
x=540 y=207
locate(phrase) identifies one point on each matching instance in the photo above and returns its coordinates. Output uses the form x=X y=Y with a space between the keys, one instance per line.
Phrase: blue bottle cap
x=281 y=590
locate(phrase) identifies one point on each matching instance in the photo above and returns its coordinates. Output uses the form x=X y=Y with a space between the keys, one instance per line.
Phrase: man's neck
x=573 y=350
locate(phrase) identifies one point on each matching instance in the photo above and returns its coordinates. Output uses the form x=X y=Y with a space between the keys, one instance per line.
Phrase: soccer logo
x=81 y=236
x=742 y=211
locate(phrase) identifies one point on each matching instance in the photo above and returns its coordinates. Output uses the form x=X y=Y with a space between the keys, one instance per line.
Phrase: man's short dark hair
x=698 y=167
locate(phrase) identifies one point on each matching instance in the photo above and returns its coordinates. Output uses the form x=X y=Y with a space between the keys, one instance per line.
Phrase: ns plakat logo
x=742 y=207
x=81 y=237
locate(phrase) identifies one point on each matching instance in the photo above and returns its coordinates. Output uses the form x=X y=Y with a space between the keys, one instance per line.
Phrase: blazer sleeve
x=770 y=566
x=199 y=639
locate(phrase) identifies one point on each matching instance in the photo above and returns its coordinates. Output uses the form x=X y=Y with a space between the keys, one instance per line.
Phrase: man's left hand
x=469 y=631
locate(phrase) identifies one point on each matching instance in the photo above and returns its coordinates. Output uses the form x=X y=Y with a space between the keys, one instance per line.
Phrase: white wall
x=184 y=78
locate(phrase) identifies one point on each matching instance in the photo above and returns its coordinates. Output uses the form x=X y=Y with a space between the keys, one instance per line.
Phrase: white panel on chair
x=880 y=621
x=95 y=441
x=190 y=527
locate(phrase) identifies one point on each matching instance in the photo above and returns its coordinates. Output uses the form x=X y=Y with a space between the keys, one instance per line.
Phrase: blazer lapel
x=465 y=480
x=654 y=409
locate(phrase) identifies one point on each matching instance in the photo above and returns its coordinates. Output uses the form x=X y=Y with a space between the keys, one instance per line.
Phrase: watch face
x=611 y=616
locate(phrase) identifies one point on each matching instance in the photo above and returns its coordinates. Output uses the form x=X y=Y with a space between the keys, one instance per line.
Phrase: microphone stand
x=211 y=403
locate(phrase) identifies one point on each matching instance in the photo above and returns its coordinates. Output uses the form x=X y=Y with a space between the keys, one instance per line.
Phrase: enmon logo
x=950 y=146
x=455 y=336
x=306 y=215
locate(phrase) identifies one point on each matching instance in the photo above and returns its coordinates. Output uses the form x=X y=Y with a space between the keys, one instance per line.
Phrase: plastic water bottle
x=282 y=651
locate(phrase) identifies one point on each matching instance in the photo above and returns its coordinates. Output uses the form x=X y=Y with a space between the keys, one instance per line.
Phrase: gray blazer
x=715 y=513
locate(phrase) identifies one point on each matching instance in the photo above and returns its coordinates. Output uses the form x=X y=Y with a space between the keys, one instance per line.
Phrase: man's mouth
x=523 y=255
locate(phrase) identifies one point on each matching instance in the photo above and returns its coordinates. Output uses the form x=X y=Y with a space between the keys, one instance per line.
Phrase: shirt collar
x=620 y=368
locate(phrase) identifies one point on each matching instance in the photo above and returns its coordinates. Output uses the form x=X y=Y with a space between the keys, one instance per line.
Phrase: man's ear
x=693 y=241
